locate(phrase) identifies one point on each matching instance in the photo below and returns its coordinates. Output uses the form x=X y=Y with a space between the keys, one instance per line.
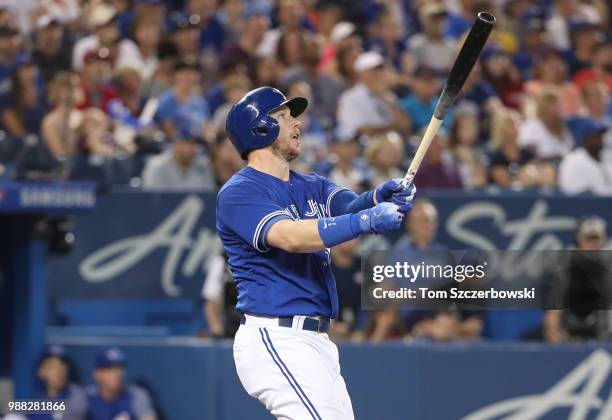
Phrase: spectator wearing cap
x=601 y=68
x=185 y=32
x=96 y=76
x=440 y=169
x=510 y=165
x=588 y=169
x=532 y=37
x=343 y=36
x=184 y=101
x=23 y=113
x=325 y=90
x=433 y=48
x=52 y=50
x=111 y=398
x=54 y=375
x=584 y=288
x=547 y=134
x=421 y=103
x=551 y=72
x=180 y=168
x=371 y=107
x=102 y=23
x=66 y=12
x=11 y=56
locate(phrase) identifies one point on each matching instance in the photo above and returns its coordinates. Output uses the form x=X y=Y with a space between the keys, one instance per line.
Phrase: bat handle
x=407 y=181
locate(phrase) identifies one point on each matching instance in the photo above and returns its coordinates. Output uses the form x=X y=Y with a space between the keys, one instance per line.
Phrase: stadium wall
x=190 y=379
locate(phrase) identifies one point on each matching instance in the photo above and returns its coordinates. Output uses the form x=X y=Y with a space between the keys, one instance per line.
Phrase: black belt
x=320 y=325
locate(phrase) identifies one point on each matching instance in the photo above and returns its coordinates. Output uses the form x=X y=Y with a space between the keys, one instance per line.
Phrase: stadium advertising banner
x=476 y=381
x=139 y=245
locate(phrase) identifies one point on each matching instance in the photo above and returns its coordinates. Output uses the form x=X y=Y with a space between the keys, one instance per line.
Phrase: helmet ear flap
x=264 y=132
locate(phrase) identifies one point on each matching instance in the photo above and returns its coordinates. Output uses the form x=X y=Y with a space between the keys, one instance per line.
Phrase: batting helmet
x=249 y=125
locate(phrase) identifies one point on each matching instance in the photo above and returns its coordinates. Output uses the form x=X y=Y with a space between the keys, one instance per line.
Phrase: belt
x=320 y=325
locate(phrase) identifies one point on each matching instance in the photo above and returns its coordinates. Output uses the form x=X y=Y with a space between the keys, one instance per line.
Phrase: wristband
x=336 y=230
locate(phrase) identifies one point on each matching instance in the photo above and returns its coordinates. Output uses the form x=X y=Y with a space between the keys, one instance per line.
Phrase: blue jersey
x=271 y=281
x=131 y=404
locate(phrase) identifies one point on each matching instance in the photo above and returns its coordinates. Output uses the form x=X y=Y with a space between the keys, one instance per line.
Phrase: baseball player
x=277 y=227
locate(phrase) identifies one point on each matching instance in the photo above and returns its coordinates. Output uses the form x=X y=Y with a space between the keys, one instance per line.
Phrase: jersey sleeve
x=250 y=213
x=141 y=403
x=330 y=191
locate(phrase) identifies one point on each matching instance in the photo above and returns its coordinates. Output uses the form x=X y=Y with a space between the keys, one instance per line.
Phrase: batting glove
x=383 y=217
x=396 y=193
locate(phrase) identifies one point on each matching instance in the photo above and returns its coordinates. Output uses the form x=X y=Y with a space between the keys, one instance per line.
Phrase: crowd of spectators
x=136 y=92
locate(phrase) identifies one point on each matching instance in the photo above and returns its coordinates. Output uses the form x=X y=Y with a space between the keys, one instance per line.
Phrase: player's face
x=288 y=143
x=109 y=379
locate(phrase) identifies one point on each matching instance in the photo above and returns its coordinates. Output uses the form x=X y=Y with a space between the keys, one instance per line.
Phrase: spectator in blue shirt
x=533 y=43
x=185 y=33
x=390 y=42
x=212 y=33
x=184 y=102
x=110 y=398
x=421 y=103
x=11 y=57
x=26 y=106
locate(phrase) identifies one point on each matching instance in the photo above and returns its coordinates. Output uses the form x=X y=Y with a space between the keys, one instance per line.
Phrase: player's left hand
x=393 y=191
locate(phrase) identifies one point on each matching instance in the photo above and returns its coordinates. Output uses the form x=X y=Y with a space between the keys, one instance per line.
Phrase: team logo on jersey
x=315 y=209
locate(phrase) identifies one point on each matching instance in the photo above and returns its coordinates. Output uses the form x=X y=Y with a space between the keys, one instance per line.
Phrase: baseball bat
x=460 y=71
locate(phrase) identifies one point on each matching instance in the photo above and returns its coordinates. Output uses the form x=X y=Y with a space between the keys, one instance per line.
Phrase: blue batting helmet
x=249 y=125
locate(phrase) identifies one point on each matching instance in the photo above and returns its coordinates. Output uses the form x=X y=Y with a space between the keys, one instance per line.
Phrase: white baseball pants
x=295 y=373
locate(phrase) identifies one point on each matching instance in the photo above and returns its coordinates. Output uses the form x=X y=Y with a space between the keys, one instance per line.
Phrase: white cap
x=368 y=61
x=44 y=21
x=101 y=15
x=341 y=30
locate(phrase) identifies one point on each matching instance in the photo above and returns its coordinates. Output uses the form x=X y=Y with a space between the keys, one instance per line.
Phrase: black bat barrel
x=465 y=61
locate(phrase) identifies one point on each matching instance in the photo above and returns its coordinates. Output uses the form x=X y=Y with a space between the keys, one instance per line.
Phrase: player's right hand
x=381 y=218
